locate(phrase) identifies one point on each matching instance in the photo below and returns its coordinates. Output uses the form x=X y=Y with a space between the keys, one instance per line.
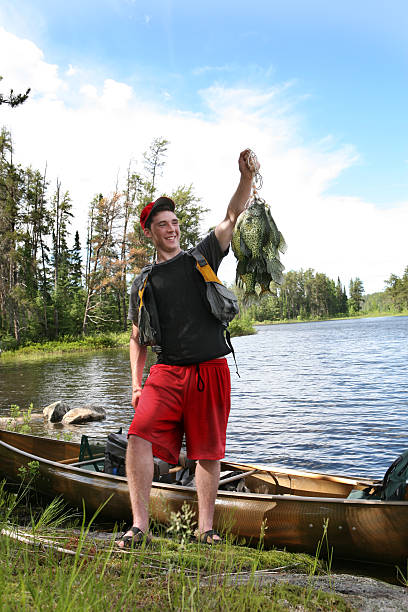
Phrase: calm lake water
x=329 y=396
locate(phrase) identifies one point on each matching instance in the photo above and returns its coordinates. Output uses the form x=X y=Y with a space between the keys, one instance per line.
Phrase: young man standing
x=188 y=390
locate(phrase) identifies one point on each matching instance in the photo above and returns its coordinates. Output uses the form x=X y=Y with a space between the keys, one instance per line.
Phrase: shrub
x=242 y=325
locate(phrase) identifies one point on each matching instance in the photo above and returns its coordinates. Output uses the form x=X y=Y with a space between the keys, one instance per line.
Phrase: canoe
x=288 y=507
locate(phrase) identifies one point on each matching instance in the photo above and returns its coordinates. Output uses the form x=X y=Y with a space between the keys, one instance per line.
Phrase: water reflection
x=329 y=396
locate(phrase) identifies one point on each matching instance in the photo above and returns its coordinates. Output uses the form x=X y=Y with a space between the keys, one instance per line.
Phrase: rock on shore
x=84 y=415
x=364 y=594
x=60 y=412
x=54 y=412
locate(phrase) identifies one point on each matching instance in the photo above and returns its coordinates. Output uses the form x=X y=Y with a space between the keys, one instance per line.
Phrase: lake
x=328 y=396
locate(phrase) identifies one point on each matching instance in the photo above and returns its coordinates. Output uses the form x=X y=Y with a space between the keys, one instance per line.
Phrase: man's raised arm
x=224 y=230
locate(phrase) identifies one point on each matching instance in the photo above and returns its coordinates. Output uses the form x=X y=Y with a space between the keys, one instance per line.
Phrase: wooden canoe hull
x=357 y=529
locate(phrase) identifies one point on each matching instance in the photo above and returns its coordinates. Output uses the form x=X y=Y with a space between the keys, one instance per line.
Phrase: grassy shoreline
x=50 y=348
x=53 y=558
x=366 y=315
x=61 y=563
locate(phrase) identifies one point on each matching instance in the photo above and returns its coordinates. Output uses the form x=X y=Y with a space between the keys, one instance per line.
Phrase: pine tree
x=75 y=268
x=356 y=295
x=61 y=218
x=154 y=162
x=397 y=290
x=11 y=192
x=13 y=99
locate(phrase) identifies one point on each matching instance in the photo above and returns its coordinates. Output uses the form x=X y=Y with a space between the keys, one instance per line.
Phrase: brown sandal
x=208 y=537
x=138 y=538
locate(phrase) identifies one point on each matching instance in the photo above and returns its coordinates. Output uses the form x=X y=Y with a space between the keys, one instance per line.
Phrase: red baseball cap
x=162 y=203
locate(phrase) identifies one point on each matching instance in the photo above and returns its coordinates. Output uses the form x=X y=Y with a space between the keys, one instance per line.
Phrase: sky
x=318 y=89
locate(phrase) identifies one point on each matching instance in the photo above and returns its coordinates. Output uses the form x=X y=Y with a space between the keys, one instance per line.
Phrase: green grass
x=39 y=350
x=163 y=576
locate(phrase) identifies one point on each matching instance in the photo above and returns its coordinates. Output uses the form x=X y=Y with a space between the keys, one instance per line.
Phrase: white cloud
x=71 y=70
x=89 y=91
x=23 y=66
x=115 y=96
x=87 y=133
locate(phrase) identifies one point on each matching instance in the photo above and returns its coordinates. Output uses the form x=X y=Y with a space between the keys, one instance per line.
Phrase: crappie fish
x=256 y=244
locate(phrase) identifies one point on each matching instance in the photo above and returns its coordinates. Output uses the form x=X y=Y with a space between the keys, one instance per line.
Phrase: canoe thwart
x=95 y=459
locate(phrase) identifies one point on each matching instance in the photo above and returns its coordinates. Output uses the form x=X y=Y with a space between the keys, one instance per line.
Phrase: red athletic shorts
x=171 y=404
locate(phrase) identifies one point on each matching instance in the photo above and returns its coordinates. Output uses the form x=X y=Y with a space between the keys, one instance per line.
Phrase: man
x=188 y=390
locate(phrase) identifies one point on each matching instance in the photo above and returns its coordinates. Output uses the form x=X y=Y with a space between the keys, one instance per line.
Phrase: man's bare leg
x=139 y=471
x=207 y=478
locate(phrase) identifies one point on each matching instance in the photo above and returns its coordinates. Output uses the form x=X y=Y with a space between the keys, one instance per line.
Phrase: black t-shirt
x=189 y=332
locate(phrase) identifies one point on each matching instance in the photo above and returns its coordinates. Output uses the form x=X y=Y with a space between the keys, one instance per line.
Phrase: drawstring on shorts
x=200 y=382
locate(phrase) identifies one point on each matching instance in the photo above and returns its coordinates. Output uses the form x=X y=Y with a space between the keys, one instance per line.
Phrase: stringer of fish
x=257 y=243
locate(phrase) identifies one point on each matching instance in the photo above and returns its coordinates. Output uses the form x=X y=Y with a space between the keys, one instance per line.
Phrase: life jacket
x=395 y=480
x=222 y=302
x=393 y=486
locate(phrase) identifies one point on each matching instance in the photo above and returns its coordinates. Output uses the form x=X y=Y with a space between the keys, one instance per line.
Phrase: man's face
x=165 y=232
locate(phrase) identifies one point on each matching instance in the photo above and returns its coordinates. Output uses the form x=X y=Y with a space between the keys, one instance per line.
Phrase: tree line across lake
x=51 y=287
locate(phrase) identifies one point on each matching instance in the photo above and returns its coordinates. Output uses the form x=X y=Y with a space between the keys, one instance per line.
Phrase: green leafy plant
x=242 y=325
x=30 y=472
x=182 y=524
x=15 y=423
x=14 y=411
x=8 y=502
x=264 y=526
x=66 y=436
x=26 y=425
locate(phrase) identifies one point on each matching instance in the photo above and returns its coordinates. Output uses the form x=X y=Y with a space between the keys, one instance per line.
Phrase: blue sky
x=328 y=79
x=347 y=61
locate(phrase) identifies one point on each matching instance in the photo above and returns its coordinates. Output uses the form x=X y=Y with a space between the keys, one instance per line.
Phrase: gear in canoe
x=256 y=244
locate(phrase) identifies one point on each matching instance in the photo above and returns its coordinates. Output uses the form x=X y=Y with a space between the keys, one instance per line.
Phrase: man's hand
x=244 y=164
x=136 y=393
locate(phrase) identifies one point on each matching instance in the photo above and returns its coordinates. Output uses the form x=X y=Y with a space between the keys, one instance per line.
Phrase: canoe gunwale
x=321 y=475
x=66 y=468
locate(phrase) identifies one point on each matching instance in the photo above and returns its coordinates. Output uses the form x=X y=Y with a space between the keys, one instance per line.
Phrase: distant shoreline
x=371 y=315
x=102 y=342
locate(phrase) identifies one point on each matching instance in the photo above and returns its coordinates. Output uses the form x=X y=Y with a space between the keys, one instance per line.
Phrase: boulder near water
x=84 y=415
x=55 y=411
